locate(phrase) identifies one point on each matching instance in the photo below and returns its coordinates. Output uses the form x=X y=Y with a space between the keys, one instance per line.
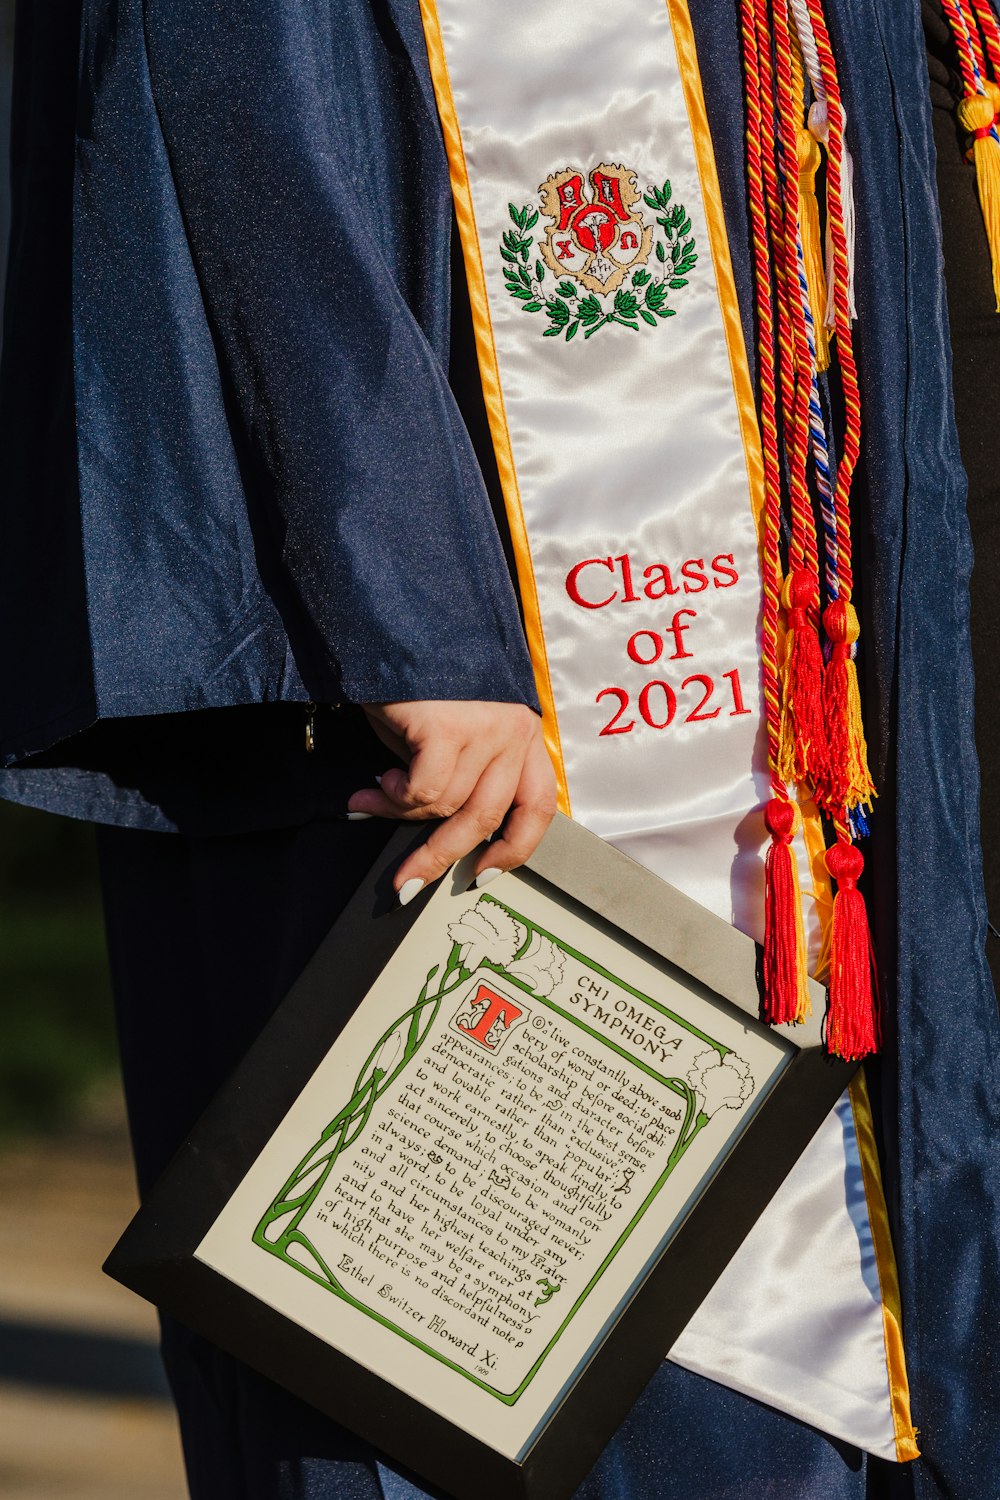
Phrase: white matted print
x=503 y=1137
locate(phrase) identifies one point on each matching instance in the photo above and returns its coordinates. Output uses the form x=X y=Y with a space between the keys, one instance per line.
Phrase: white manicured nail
x=353 y=817
x=485 y=876
x=409 y=889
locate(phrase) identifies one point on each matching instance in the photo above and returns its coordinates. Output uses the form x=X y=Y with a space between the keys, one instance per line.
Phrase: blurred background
x=84 y=1410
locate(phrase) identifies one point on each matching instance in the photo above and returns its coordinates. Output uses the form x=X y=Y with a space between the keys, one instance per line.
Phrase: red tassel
x=786 y=997
x=852 y=1026
x=803 y=753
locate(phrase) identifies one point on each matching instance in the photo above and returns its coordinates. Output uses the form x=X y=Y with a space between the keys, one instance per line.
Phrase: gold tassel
x=849 y=783
x=786 y=724
x=786 y=768
x=975 y=115
x=809 y=158
x=861 y=787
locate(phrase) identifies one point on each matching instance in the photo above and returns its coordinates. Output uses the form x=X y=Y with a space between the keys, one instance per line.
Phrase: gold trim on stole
x=492 y=390
x=888 y=1277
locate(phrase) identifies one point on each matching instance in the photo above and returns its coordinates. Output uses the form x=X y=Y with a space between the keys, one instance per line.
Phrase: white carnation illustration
x=720 y=1082
x=486 y=933
x=542 y=967
x=389 y=1052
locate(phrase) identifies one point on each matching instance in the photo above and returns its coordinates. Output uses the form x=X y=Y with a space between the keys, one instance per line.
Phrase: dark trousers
x=205 y=936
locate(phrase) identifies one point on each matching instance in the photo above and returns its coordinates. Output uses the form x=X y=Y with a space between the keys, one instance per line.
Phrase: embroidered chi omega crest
x=597 y=244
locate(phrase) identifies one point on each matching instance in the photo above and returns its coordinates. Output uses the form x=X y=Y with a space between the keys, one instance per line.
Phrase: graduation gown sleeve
x=307 y=163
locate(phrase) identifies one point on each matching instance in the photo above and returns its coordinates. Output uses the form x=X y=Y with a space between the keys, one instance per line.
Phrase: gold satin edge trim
x=746 y=406
x=489 y=373
x=888 y=1277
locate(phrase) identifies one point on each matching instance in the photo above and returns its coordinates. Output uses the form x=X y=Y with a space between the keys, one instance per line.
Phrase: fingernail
x=409 y=889
x=378 y=781
x=353 y=817
x=485 y=876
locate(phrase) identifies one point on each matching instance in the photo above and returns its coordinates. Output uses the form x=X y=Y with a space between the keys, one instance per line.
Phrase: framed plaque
x=486 y=1160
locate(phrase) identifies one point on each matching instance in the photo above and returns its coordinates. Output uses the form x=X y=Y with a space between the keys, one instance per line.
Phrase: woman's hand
x=473 y=765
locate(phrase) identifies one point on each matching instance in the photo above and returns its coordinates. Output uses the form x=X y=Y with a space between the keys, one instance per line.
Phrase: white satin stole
x=629 y=444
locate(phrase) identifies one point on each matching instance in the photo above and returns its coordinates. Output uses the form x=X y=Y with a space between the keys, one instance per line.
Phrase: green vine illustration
x=279 y=1231
x=644 y=297
x=385 y=1062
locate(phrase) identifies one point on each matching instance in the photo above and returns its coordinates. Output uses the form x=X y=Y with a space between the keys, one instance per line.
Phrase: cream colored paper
x=501 y=1199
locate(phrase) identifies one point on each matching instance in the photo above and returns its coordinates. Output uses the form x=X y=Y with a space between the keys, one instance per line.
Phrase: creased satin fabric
x=625 y=445
x=628 y=445
x=806 y=1343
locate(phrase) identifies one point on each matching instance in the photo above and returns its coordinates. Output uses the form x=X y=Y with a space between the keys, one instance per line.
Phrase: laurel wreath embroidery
x=644 y=297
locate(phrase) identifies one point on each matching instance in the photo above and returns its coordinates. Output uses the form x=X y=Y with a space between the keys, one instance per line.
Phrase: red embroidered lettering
x=572 y=587
x=696 y=716
x=656 y=642
x=659 y=581
x=648 y=702
x=738 y=704
x=671 y=701
x=677 y=630
x=728 y=573
x=630 y=596
x=613 y=726
x=693 y=571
